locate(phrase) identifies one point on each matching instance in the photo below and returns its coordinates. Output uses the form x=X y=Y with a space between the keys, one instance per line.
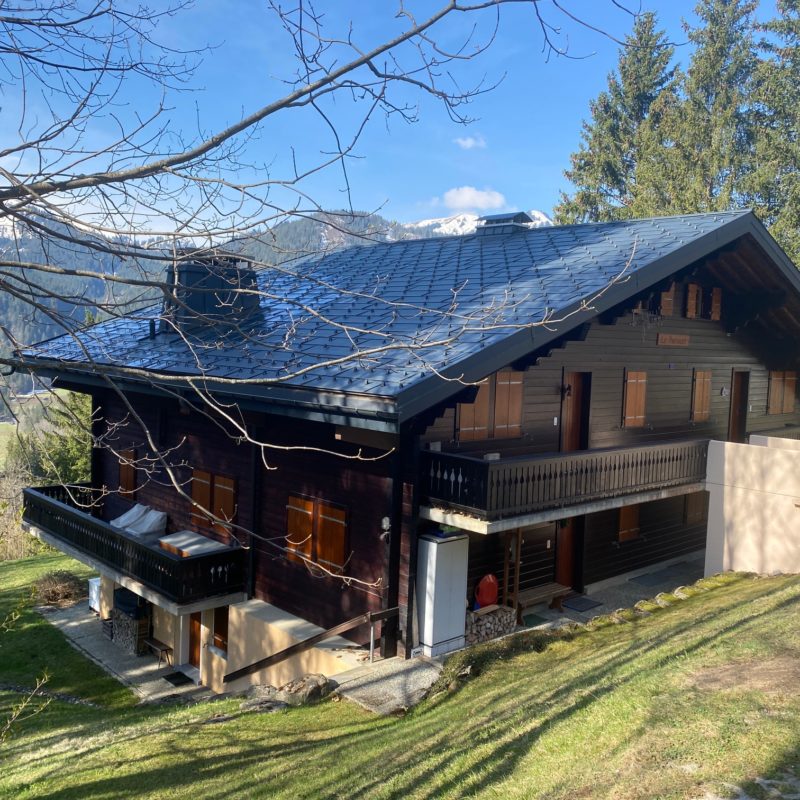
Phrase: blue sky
x=511 y=157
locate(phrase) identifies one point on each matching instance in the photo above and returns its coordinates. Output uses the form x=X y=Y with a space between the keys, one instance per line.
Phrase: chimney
x=207 y=290
x=504 y=223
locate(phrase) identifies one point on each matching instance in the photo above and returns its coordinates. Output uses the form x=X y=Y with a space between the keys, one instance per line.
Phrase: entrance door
x=576 y=390
x=194 y=639
x=737 y=421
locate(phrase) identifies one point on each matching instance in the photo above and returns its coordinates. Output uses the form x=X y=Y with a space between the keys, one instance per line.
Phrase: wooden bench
x=546 y=593
x=163 y=651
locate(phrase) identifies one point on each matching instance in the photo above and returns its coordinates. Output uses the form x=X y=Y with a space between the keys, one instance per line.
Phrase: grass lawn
x=667 y=706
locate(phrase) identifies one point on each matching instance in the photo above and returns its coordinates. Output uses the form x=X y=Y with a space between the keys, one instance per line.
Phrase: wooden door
x=576 y=387
x=737 y=420
x=565 y=552
x=194 y=639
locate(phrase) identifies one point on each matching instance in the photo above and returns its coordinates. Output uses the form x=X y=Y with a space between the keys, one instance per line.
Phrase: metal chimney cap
x=511 y=217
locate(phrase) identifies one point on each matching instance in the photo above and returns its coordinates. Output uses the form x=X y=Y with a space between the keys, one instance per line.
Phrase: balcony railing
x=524 y=485
x=55 y=510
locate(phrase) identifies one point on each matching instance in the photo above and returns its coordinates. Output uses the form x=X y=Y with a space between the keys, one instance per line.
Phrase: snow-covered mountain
x=460 y=224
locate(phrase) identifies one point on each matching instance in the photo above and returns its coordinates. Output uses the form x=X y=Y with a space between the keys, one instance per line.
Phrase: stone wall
x=489 y=623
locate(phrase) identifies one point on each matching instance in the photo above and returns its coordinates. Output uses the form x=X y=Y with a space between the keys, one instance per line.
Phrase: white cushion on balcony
x=130 y=517
x=151 y=522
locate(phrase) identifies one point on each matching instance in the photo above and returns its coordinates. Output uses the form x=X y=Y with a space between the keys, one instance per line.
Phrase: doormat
x=177 y=678
x=532 y=620
x=580 y=603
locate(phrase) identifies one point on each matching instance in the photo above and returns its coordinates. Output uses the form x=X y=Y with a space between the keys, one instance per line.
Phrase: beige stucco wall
x=107 y=587
x=256 y=630
x=754 y=507
x=165 y=627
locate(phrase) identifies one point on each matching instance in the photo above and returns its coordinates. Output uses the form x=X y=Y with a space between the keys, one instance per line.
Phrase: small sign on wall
x=672 y=340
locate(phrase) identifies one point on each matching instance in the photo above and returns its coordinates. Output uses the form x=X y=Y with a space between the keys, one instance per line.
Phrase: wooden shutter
x=693 y=296
x=299 y=528
x=221 y=628
x=716 y=304
x=628 y=523
x=635 y=399
x=473 y=418
x=789 y=392
x=701 y=396
x=668 y=301
x=201 y=494
x=331 y=536
x=775 y=399
x=127 y=473
x=508 y=404
x=224 y=499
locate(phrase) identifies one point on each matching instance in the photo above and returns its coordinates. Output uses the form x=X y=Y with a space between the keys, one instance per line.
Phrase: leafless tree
x=92 y=162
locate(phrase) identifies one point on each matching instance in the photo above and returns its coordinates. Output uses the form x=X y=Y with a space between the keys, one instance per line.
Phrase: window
x=127 y=473
x=217 y=494
x=496 y=412
x=782 y=392
x=628 y=523
x=694 y=508
x=701 y=396
x=221 y=628
x=634 y=402
x=316 y=531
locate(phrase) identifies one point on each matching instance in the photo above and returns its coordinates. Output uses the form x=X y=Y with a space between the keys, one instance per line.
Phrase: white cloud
x=466 y=198
x=470 y=142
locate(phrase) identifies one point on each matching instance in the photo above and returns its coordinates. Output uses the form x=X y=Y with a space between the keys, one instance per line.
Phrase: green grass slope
x=669 y=705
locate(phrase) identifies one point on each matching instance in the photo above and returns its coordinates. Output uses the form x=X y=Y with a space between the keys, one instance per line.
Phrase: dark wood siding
x=663 y=534
x=630 y=342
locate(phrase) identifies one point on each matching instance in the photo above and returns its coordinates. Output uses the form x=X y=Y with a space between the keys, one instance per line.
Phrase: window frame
x=324 y=516
x=127 y=473
x=218 y=485
x=702 y=381
x=500 y=402
x=634 y=403
x=779 y=399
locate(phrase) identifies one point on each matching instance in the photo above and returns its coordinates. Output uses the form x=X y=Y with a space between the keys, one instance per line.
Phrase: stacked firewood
x=489 y=623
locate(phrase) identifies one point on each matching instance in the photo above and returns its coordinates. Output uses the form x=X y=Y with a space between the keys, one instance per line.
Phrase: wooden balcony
x=66 y=516
x=508 y=487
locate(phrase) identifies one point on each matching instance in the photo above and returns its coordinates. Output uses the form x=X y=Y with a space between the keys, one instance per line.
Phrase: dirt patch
x=779 y=674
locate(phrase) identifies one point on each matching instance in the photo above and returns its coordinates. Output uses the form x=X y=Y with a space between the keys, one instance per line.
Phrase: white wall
x=754 y=506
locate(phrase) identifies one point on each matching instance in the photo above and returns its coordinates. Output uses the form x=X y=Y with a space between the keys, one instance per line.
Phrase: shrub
x=60 y=586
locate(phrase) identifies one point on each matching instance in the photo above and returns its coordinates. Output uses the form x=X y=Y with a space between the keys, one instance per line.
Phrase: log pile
x=489 y=623
x=130 y=633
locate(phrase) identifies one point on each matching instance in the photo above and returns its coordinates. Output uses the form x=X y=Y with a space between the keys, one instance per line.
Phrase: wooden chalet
x=543 y=395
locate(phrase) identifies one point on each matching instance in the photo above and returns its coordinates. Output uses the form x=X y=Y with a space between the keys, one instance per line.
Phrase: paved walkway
x=385 y=687
x=141 y=673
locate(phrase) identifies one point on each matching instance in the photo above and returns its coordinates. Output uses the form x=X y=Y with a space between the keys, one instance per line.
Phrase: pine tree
x=775 y=180
x=697 y=147
x=604 y=167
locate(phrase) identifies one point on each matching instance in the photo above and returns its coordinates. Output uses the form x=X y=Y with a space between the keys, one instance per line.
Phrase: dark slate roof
x=435 y=305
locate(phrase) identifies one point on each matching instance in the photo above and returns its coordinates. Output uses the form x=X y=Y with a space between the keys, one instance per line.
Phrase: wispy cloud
x=468 y=198
x=471 y=142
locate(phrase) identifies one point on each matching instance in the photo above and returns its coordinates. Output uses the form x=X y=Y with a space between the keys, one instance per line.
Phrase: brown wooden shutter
x=701 y=396
x=127 y=473
x=716 y=304
x=201 y=494
x=635 y=399
x=693 y=296
x=299 y=528
x=473 y=418
x=775 y=399
x=628 y=523
x=331 y=536
x=508 y=404
x=789 y=392
x=221 y=628
x=224 y=498
x=668 y=301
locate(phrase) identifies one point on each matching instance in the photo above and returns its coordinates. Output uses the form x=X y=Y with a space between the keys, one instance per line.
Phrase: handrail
x=367 y=618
